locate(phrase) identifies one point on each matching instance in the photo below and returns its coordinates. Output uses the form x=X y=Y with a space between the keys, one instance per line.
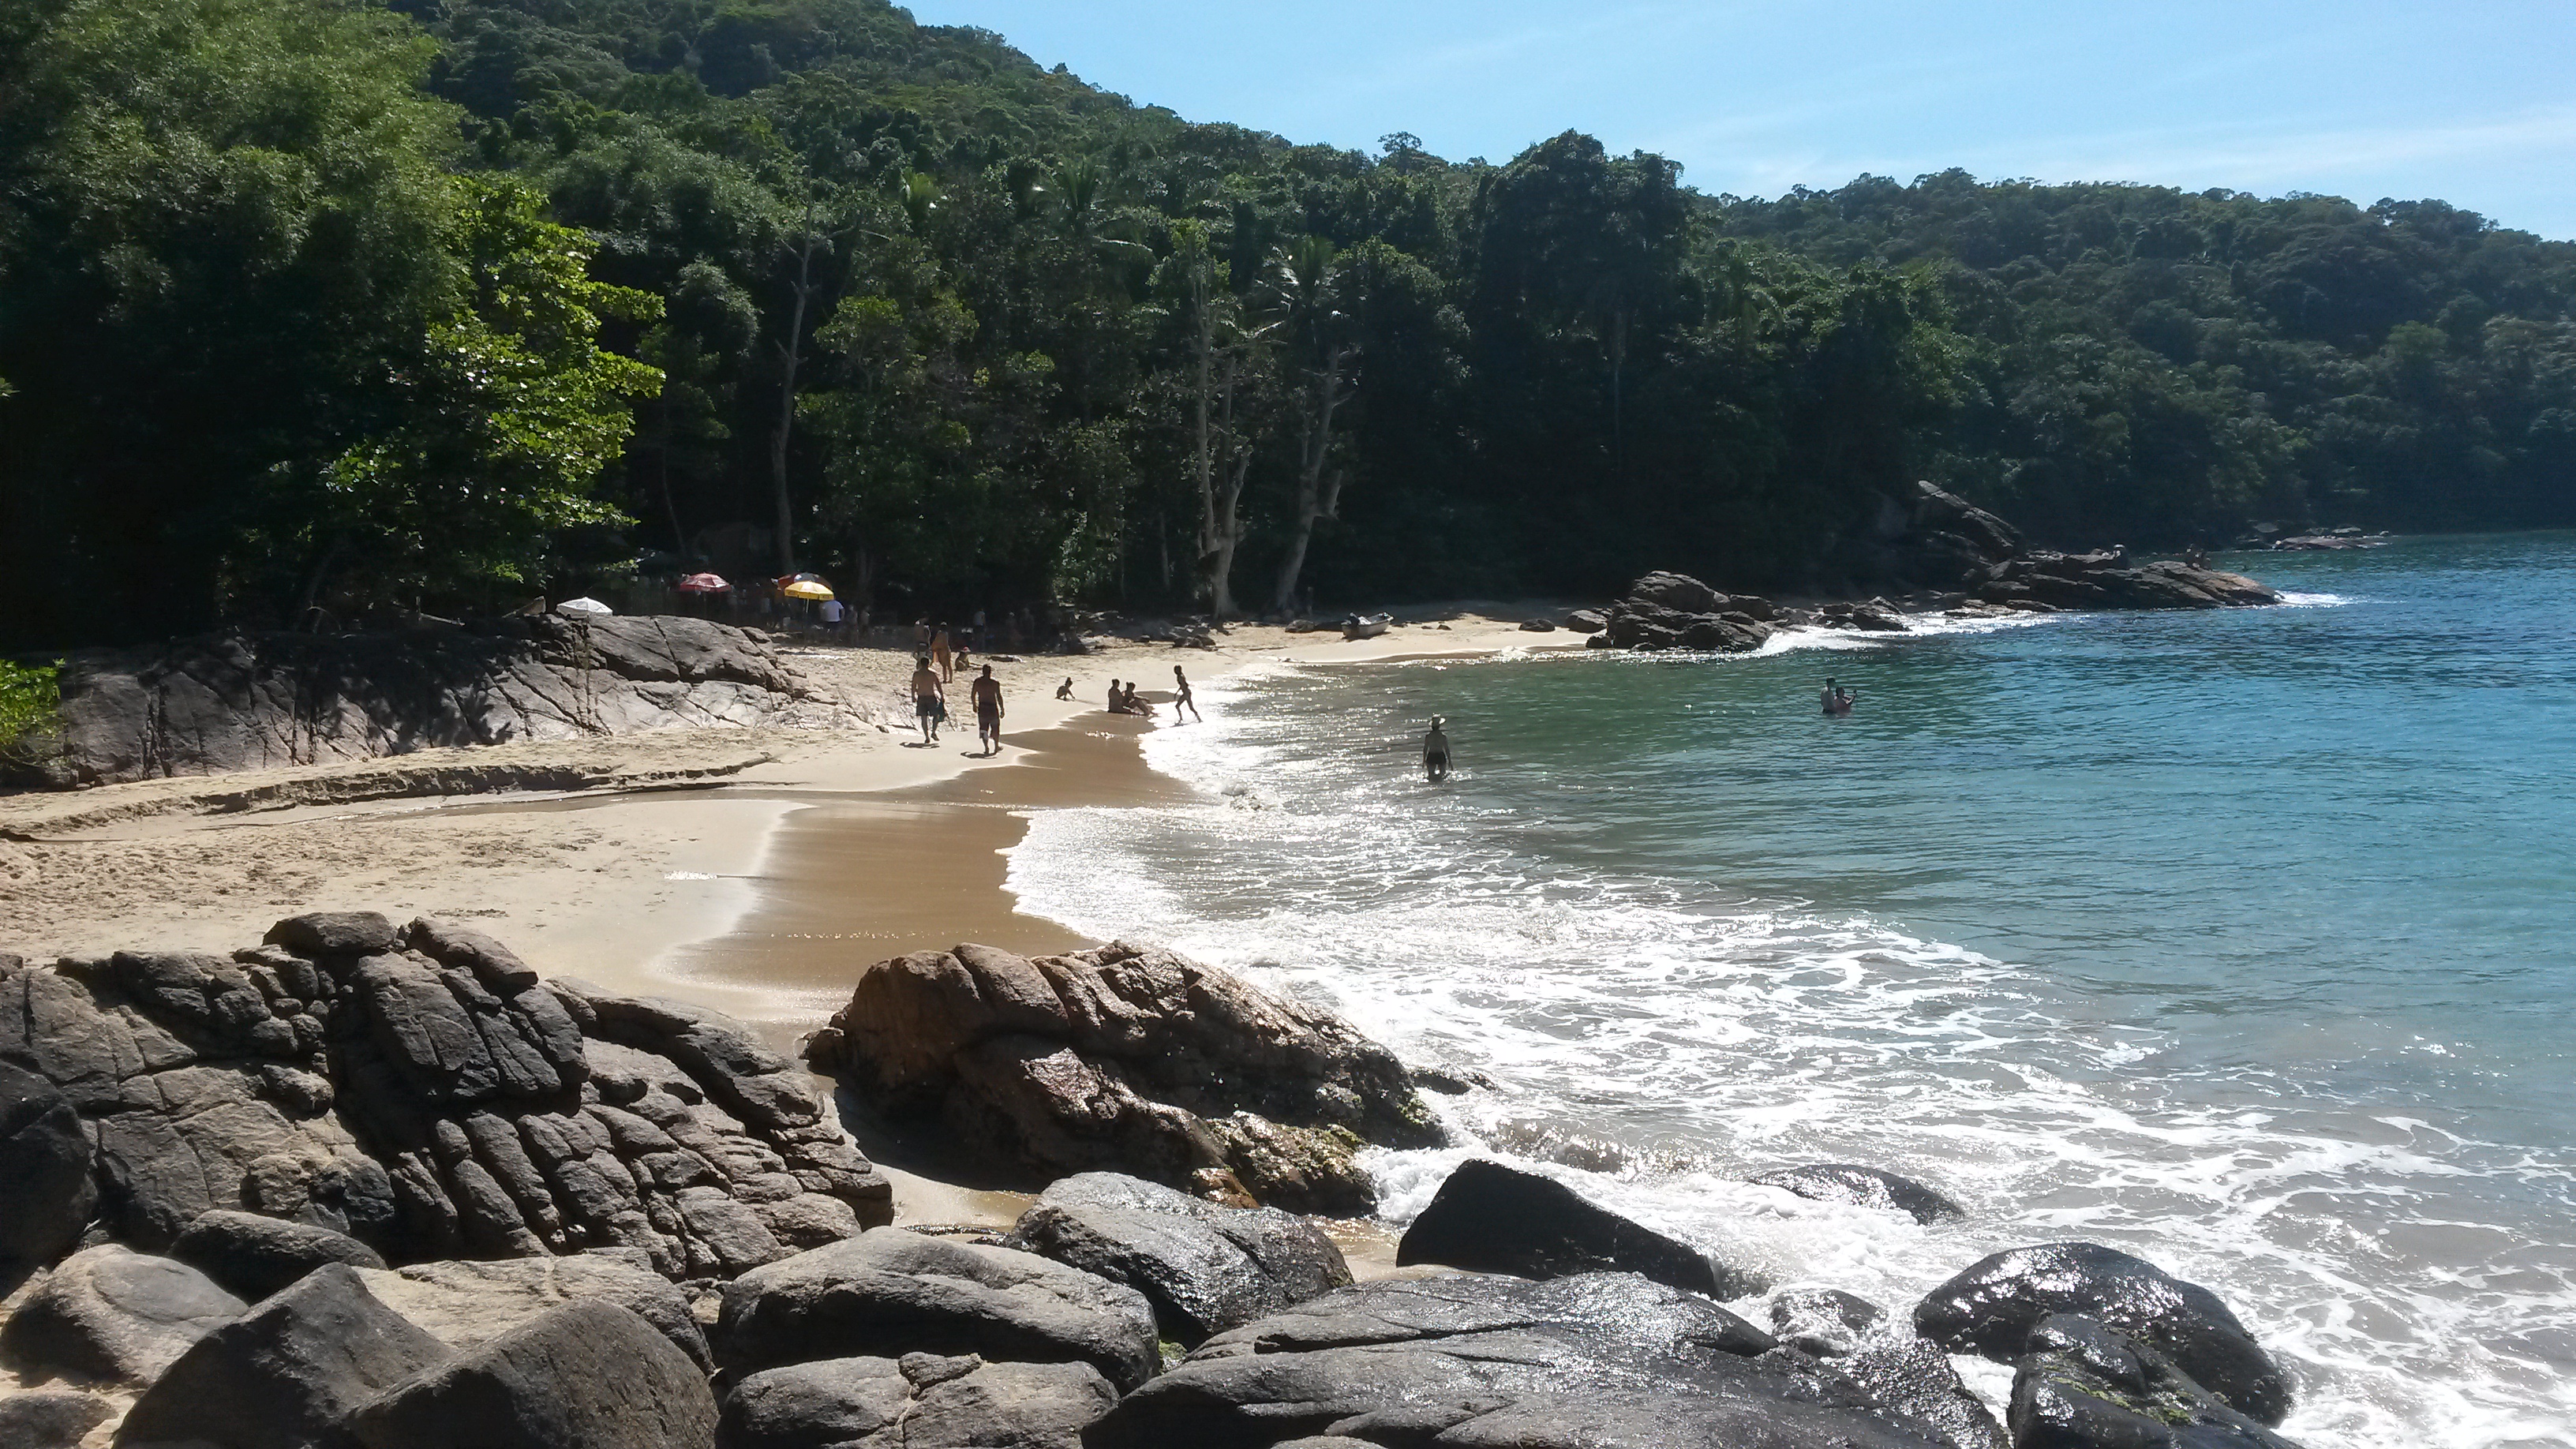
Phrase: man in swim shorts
x=988 y=711
x=1435 y=751
x=929 y=701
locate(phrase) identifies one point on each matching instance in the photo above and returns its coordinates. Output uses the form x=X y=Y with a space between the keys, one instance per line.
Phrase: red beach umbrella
x=704 y=584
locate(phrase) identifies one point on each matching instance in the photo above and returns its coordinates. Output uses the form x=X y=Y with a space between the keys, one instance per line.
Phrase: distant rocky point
x=246 y=701
x=1964 y=560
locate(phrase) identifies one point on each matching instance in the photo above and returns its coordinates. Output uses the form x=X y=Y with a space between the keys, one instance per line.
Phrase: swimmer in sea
x=1838 y=701
x=1435 y=751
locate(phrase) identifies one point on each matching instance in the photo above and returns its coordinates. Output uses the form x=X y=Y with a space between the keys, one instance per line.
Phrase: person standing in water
x=1837 y=701
x=1181 y=700
x=1435 y=751
x=987 y=693
x=929 y=700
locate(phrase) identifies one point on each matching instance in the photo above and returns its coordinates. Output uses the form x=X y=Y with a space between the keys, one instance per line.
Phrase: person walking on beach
x=1181 y=700
x=939 y=654
x=1435 y=751
x=987 y=694
x=929 y=700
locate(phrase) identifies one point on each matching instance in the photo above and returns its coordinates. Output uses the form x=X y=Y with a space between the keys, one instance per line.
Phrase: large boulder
x=467 y=1304
x=2106 y=580
x=1826 y=1322
x=246 y=701
x=1991 y=1307
x=2083 y=1385
x=589 y=1375
x=256 y=1256
x=1599 y=1361
x=1863 y=1187
x=46 y=1190
x=1675 y=611
x=285 y=1374
x=1205 y=1268
x=891 y=1292
x=116 y=1315
x=417 y=1089
x=1489 y=1218
x=920 y=1401
x=1125 y=1059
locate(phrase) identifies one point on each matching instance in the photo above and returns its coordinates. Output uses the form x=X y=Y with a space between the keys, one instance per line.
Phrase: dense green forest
x=318 y=310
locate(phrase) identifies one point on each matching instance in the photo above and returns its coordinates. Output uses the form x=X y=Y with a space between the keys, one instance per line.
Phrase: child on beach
x=1065 y=690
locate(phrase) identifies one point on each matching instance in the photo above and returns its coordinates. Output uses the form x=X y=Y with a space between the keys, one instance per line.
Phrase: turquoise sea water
x=2242 y=940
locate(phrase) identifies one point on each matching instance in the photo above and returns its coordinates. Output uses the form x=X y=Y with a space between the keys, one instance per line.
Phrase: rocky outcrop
x=1125 y=1059
x=1489 y=1218
x=1933 y=539
x=1205 y=1268
x=420 y=1091
x=919 y=1400
x=1863 y=1187
x=251 y=701
x=891 y=1292
x=1676 y=611
x=1602 y=1361
x=589 y=1375
x=2083 y=1385
x=1992 y=1307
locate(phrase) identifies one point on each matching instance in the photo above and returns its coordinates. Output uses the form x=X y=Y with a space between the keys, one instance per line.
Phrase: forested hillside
x=318 y=306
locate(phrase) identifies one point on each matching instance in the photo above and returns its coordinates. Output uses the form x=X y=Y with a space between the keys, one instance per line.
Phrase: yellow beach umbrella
x=808 y=589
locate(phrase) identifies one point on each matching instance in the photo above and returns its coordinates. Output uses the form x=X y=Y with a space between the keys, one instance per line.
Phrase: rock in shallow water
x=2084 y=1385
x=1865 y=1187
x=1205 y=1268
x=1489 y=1218
x=1125 y=1059
x=1991 y=1308
x=1597 y=1361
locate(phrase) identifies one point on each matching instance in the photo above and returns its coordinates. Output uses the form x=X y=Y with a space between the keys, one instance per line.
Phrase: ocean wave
x=1658 y=1041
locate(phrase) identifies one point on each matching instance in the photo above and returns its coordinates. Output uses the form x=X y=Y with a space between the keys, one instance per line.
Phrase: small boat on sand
x=1355 y=626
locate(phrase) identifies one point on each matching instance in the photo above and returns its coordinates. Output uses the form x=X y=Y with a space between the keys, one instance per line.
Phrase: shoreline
x=755 y=872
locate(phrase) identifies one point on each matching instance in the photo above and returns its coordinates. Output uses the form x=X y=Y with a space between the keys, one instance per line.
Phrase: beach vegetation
x=325 y=312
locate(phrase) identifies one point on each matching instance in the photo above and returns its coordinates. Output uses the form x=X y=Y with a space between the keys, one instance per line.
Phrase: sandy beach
x=753 y=871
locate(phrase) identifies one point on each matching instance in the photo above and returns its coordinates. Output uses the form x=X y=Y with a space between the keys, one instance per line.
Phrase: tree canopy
x=312 y=310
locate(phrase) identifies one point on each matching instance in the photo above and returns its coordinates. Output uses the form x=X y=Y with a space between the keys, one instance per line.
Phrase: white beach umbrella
x=583 y=605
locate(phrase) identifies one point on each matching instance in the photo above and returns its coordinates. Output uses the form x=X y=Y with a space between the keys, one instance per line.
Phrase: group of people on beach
x=932 y=672
x=1123 y=698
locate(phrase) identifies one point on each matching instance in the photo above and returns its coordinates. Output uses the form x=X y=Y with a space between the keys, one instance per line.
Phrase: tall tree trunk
x=1319 y=495
x=1221 y=498
x=791 y=353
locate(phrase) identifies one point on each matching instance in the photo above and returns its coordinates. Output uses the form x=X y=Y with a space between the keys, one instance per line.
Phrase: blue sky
x=2473 y=103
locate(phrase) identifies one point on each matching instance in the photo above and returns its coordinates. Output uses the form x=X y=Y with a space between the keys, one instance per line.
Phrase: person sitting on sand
x=1435 y=751
x=1065 y=690
x=1182 y=700
x=929 y=700
x=1138 y=704
x=1117 y=701
x=987 y=693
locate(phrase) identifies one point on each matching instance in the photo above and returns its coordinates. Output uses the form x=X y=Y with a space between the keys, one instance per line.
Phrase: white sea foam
x=1678 y=1039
